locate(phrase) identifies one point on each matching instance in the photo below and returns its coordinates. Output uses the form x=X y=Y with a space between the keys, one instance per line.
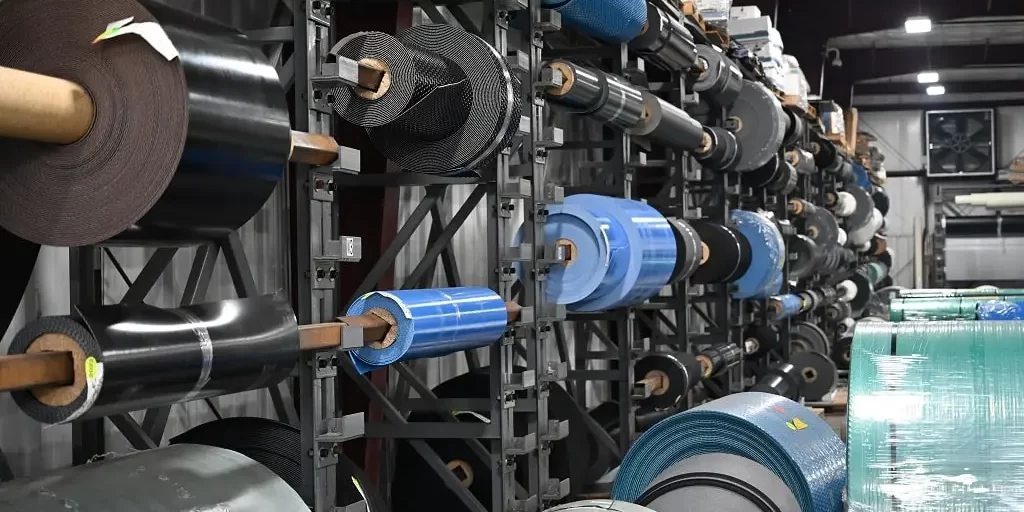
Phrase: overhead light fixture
x=927 y=77
x=918 y=24
x=936 y=90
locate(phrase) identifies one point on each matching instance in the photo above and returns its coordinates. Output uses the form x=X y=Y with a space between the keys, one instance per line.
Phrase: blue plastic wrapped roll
x=590 y=250
x=863 y=180
x=644 y=267
x=781 y=435
x=1000 y=310
x=766 y=254
x=616 y=21
x=430 y=323
x=776 y=285
x=788 y=305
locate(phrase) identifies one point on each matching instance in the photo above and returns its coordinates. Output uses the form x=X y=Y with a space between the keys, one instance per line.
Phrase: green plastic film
x=965 y=292
x=941 y=308
x=936 y=417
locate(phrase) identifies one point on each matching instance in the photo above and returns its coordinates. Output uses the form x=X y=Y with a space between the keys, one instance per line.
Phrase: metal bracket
x=339 y=430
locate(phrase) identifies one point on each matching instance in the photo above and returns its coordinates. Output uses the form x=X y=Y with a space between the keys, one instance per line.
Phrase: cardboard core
x=705 y=253
x=462 y=470
x=568 y=79
x=810 y=375
x=392 y=335
x=43 y=108
x=705 y=365
x=569 y=249
x=385 y=81
x=60 y=396
x=658 y=381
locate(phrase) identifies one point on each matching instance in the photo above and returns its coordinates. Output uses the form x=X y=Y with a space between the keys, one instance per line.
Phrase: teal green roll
x=961 y=292
x=941 y=308
x=936 y=417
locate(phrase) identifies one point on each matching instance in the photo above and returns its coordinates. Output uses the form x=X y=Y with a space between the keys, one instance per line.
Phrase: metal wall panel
x=984 y=259
x=900 y=137
x=1009 y=135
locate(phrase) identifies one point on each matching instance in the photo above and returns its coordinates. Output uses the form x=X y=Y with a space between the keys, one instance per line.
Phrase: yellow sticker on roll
x=91 y=368
x=149 y=31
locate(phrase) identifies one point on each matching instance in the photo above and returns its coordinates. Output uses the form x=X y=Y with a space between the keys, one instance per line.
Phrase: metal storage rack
x=516 y=180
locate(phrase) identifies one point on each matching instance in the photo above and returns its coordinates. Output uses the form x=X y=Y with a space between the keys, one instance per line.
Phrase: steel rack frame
x=88 y=439
x=516 y=180
x=613 y=176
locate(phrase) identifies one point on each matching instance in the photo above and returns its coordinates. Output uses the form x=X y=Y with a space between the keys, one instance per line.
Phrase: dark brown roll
x=179 y=151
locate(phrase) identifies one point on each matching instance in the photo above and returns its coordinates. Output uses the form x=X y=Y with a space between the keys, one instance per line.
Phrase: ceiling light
x=927 y=77
x=936 y=90
x=918 y=25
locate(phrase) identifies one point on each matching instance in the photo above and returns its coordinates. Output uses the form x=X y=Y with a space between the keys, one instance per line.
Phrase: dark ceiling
x=873 y=46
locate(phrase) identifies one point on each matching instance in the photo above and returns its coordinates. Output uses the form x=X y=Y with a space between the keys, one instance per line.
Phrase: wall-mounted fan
x=960 y=143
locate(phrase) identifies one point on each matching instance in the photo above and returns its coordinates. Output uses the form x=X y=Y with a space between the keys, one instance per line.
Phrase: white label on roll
x=150 y=32
x=93 y=384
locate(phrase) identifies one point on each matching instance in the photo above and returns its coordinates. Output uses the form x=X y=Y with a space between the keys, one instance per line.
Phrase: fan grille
x=960 y=143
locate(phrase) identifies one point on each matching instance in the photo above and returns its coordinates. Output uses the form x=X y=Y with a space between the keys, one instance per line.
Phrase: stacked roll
x=934 y=416
x=800 y=451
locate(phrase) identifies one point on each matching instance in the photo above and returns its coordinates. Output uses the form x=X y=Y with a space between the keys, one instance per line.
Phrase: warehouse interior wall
x=901 y=137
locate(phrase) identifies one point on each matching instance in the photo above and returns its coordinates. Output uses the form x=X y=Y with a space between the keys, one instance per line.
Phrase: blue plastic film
x=616 y=21
x=430 y=323
x=1000 y=310
x=585 y=239
x=776 y=285
x=766 y=254
x=791 y=305
x=936 y=412
x=781 y=435
x=645 y=265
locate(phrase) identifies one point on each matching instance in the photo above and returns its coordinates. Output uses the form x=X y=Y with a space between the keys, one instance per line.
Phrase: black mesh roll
x=464 y=104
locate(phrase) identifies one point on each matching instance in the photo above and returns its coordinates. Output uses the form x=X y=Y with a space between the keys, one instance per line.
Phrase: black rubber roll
x=278 y=447
x=490 y=105
x=400 y=63
x=865 y=207
x=776 y=176
x=822 y=227
x=133 y=357
x=679 y=372
x=758 y=340
x=986 y=226
x=688 y=249
x=865 y=289
x=665 y=42
x=718 y=359
x=881 y=198
x=179 y=151
x=795 y=127
x=759 y=123
x=607 y=98
x=826 y=155
x=838 y=311
x=722 y=481
x=667 y=125
x=801 y=160
x=841 y=352
x=729 y=253
x=804 y=257
x=723 y=150
x=782 y=379
x=720 y=81
x=805 y=336
x=818 y=372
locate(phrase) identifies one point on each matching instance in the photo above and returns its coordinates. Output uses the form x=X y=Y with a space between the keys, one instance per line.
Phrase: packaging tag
x=151 y=32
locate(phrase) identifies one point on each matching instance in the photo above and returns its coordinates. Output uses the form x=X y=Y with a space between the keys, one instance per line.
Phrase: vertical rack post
x=317 y=254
